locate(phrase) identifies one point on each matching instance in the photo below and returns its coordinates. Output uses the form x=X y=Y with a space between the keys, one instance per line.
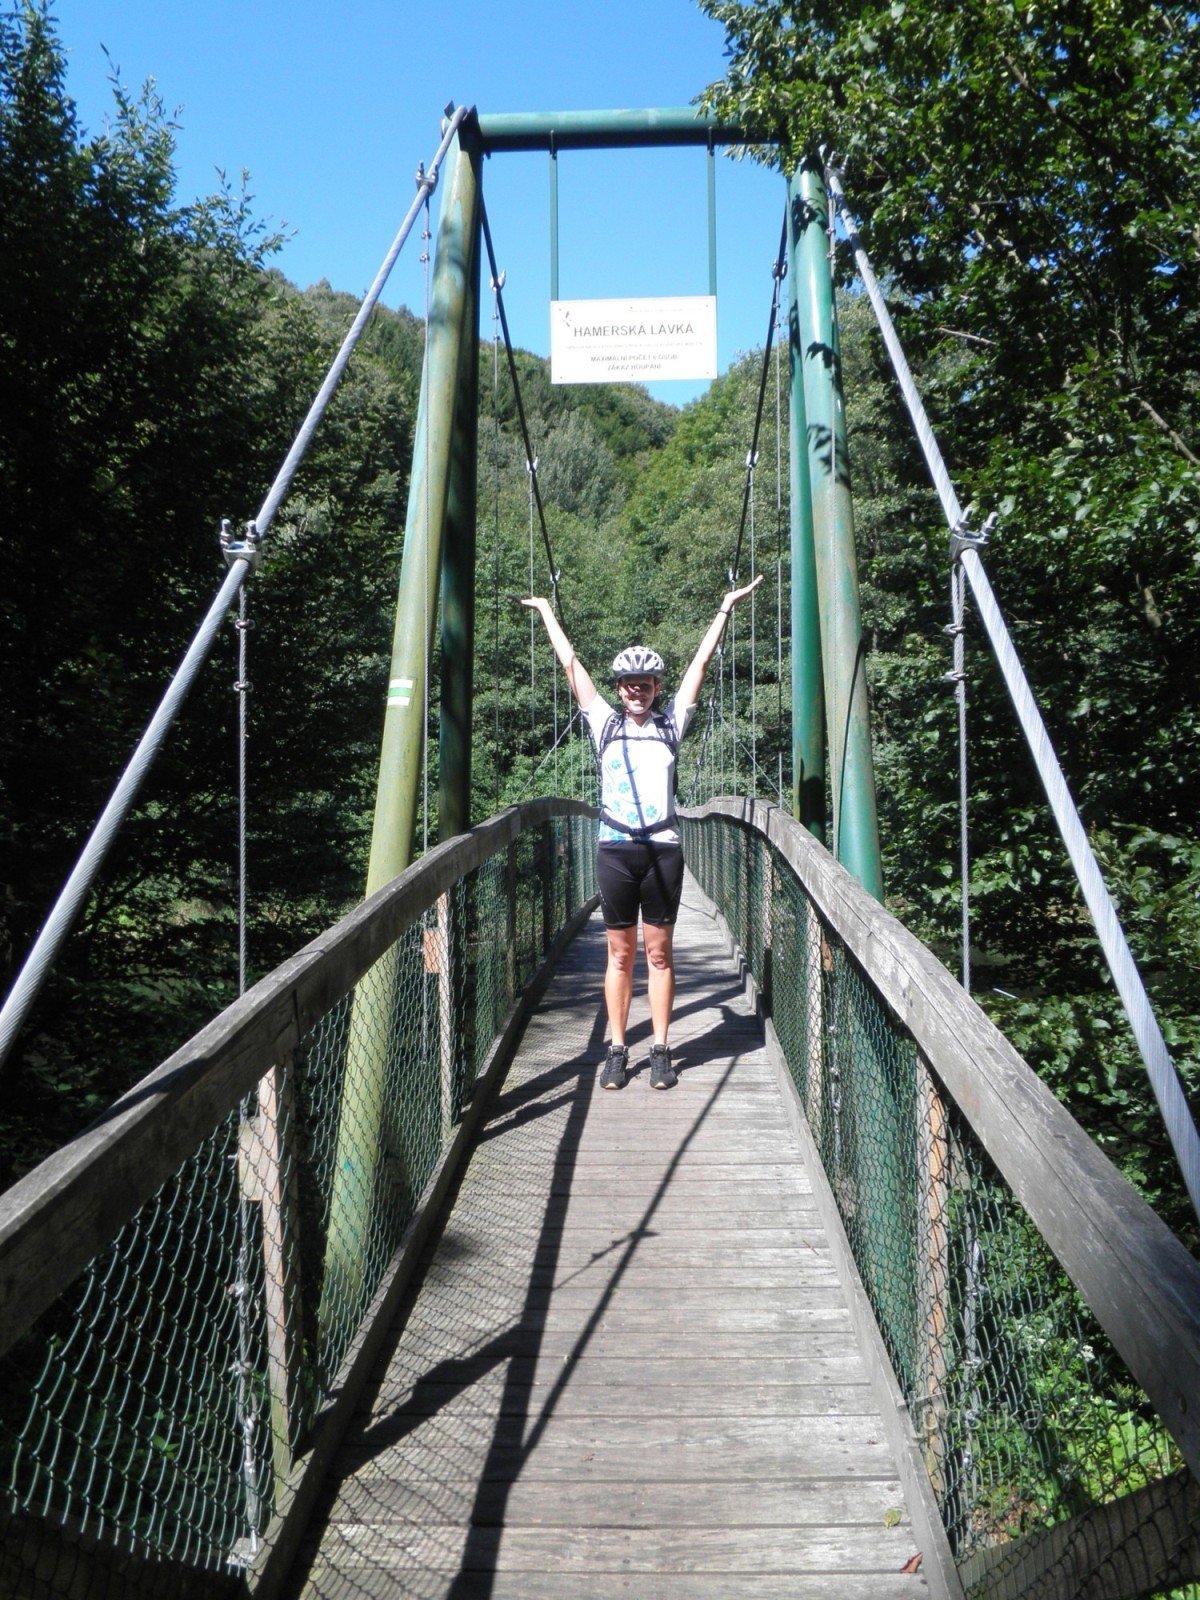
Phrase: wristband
x=725 y=613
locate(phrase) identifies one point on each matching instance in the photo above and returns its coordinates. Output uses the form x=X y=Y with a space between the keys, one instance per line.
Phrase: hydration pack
x=665 y=730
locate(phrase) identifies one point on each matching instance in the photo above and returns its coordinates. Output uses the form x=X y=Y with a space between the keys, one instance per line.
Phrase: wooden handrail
x=70 y=1207
x=1141 y=1284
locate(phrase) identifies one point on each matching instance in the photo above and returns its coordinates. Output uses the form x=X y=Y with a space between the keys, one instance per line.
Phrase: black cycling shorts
x=637 y=876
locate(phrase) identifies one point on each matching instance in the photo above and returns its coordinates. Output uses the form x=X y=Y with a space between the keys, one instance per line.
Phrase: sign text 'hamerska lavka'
x=633 y=341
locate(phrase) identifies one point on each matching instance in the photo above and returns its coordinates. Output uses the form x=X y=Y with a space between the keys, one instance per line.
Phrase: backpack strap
x=666 y=731
x=613 y=728
x=638 y=833
x=610 y=730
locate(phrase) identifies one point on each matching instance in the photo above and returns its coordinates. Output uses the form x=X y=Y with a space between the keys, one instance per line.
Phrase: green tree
x=153 y=374
x=1027 y=181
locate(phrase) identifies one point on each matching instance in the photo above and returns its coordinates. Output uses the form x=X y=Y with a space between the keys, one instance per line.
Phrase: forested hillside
x=155 y=368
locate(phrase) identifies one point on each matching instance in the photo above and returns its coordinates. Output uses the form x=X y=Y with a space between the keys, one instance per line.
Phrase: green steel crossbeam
x=604 y=130
x=824 y=599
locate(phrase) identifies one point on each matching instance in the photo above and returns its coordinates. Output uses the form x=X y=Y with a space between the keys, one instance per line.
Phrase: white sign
x=633 y=341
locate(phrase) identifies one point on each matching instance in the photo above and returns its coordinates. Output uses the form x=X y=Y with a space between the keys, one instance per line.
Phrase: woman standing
x=639 y=860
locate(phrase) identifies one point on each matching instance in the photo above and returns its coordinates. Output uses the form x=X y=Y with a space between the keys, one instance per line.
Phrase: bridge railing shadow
x=1041 y=1324
x=190 y=1293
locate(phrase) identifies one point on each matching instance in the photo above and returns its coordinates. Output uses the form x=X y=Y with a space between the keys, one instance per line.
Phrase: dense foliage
x=1028 y=181
x=153 y=372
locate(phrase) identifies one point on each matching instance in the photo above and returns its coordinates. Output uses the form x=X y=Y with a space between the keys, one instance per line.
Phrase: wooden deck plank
x=688 y=1344
x=794 y=1547
x=332 y=1580
x=697 y=1449
x=629 y=1367
x=642 y=1373
x=392 y=1500
x=824 y=1396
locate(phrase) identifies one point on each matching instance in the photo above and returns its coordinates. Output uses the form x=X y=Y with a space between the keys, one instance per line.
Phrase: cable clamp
x=248 y=548
x=954 y=677
x=531 y=466
x=953 y=629
x=426 y=180
x=751 y=460
x=780 y=270
x=498 y=282
x=963 y=537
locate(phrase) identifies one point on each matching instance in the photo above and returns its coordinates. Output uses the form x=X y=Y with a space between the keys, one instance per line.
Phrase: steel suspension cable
x=531 y=470
x=552 y=753
x=1172 y=1103
x=427 y=182
x=958 y=677
x=778 y=273
x=753 y=639
x=531 y=460
x=496 y=535
x=242 y=690
x=426 y=261
x=733 y=684
x=247 y=1410
x=242 y=556
x=71 y=897
x=722 y=724
x=705 y=738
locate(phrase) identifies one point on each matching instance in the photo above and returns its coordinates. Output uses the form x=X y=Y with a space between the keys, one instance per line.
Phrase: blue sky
x=330 y=106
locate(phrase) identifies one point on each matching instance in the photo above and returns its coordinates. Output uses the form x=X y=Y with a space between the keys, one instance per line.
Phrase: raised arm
x=582 y=686
x=690 y=684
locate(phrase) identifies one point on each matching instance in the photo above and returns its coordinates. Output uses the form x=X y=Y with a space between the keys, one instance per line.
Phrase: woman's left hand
x=734 y=595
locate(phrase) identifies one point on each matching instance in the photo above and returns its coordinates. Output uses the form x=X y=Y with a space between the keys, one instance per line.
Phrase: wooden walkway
x=629 y=1368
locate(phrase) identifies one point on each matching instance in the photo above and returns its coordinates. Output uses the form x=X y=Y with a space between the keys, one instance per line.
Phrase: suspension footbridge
x=367 y=1290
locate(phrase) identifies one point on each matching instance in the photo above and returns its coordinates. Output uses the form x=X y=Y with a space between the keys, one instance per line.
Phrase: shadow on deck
x=627 y=1367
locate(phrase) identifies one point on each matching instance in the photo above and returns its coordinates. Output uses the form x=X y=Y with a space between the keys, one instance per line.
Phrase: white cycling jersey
x=637 y=771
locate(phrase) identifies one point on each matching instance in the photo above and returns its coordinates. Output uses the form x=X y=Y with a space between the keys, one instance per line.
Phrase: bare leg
x=660 y=958
x=618 y=979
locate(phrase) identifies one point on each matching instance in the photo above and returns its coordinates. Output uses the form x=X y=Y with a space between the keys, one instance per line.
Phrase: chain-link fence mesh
x=1052 y=1472
x=150 y=1417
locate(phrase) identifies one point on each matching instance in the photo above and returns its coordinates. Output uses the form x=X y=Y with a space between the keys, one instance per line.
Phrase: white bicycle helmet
x=637 y=659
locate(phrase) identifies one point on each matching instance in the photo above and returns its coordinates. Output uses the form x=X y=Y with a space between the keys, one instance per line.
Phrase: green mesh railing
x=1053 y=1470
x=244 y=1206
